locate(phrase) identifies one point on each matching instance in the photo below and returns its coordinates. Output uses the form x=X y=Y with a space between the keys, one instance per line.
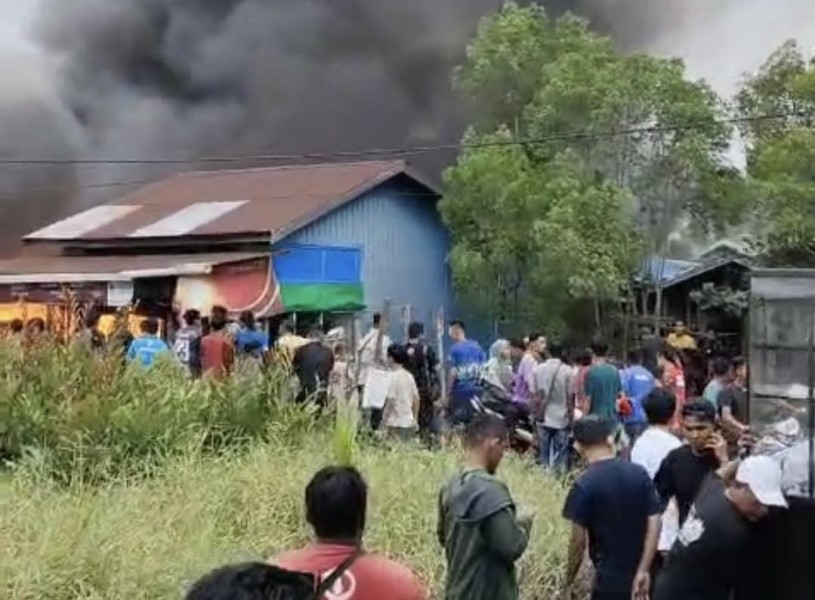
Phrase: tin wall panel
x=404 y=248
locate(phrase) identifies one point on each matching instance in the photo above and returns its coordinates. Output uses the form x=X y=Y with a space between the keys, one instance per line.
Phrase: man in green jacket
x=478 y=527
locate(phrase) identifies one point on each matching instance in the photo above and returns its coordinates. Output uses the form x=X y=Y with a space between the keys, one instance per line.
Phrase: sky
x=719 y=44
x=720 y=40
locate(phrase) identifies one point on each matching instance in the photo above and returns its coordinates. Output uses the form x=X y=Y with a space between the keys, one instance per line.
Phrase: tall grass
x=126 y=483
x=149 y=538
x=81 y=417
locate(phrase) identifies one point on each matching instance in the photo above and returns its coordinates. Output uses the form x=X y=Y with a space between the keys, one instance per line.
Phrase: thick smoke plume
x=187 y=78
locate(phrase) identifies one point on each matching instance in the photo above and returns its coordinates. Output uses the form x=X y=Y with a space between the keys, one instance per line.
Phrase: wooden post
x=407 y=317
x=383 y=327
x=355 y=337
x=440 y=350
x=352 y=385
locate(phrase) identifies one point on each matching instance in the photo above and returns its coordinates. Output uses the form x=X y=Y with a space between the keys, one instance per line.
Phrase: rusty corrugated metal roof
x=105 y=268
x=273 y=201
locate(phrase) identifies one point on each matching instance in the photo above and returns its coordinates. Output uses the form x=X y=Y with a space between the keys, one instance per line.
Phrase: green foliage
x=567 y=213
x=82 y=417
x=722 y=298
x=149 y=539
x=503 y=68
x=345 y=432
x=781 y=155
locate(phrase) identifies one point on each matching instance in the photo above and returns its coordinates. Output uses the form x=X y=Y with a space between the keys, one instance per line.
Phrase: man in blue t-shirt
x=250 y=340
x=467 y=360
x=637 y=382
x=614 y=509
x=145 y=348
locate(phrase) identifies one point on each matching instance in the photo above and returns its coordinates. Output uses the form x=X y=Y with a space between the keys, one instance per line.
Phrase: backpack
x=420 y=357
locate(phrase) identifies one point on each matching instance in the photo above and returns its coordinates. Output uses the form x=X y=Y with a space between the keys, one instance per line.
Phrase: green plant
x=345 y=431
x=84 y=417
x=148 y=538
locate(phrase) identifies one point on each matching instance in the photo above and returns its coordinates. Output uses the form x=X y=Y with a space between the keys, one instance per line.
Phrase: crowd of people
x=664 y=506
x=614 y=508
x=665 y=503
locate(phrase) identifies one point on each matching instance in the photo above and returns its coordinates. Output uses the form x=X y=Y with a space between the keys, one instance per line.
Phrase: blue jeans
x=553 y=447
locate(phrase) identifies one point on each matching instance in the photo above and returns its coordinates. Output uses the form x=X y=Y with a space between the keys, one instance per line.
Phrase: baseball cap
x=763 y=476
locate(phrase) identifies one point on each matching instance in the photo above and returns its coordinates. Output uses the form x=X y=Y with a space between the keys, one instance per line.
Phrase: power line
x=410 y=150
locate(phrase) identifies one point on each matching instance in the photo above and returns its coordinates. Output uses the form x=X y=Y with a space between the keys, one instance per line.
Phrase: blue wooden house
x=318 y=238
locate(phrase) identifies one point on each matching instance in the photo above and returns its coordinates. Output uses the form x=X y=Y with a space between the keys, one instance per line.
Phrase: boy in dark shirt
x=684 y=469
x=614 y=508
x=718 y=532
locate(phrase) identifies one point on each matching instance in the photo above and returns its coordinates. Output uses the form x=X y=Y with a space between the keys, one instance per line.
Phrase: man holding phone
x=684 y=469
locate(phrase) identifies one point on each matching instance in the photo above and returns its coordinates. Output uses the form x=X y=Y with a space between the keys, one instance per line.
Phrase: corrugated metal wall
x=404 y=244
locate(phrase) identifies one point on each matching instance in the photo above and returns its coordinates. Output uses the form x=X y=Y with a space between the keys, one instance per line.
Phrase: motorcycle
x=519 y=421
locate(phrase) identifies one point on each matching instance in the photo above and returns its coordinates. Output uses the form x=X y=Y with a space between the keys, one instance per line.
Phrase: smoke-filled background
x=187 y=78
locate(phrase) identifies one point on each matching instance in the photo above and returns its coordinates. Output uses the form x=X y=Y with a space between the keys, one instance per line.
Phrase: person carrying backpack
x=336 y=505
x=423 y=364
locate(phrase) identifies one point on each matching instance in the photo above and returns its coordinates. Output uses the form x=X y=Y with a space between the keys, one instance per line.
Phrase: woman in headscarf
x=498 y=371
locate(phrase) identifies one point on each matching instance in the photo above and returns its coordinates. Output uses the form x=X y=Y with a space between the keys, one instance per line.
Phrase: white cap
x=763 y=476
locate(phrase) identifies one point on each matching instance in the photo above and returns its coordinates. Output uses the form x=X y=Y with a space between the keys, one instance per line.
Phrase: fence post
x=407 y=317
x=383 y=327
x=440 y=350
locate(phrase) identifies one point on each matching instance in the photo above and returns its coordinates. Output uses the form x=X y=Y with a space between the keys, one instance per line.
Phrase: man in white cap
x=718 y=532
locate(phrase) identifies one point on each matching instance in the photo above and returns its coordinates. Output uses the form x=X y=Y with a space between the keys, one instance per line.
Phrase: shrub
x=78 y=416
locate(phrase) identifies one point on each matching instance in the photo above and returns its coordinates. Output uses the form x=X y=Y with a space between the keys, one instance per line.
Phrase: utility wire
x=410 y=150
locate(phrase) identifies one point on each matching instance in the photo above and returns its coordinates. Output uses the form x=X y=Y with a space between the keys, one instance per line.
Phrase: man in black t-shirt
x=613 y=506
x=423 y=365
x=718 y=532
x=312 y=363
x=684 y=469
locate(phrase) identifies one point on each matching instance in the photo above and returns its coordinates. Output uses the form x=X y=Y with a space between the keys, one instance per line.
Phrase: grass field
x=149 y=538
x=126 y=484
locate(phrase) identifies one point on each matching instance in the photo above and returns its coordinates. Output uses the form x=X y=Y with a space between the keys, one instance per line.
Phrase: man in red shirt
x=217 y=350
x=336 y=503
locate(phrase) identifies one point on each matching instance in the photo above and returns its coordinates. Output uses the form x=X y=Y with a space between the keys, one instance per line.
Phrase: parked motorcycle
x=519 y=422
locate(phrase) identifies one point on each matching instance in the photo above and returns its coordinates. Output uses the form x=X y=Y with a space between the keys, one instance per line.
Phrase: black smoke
x=191 y=78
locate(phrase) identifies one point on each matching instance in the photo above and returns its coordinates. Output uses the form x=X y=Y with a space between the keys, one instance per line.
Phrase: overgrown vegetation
x=583 y=160
x=130 y=484
x=77 y=417
x=147 y=540
x=781 y=156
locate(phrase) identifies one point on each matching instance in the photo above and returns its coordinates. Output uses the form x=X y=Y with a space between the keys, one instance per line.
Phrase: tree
x=492 y=202
x=778 y=108
x=611 y=152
